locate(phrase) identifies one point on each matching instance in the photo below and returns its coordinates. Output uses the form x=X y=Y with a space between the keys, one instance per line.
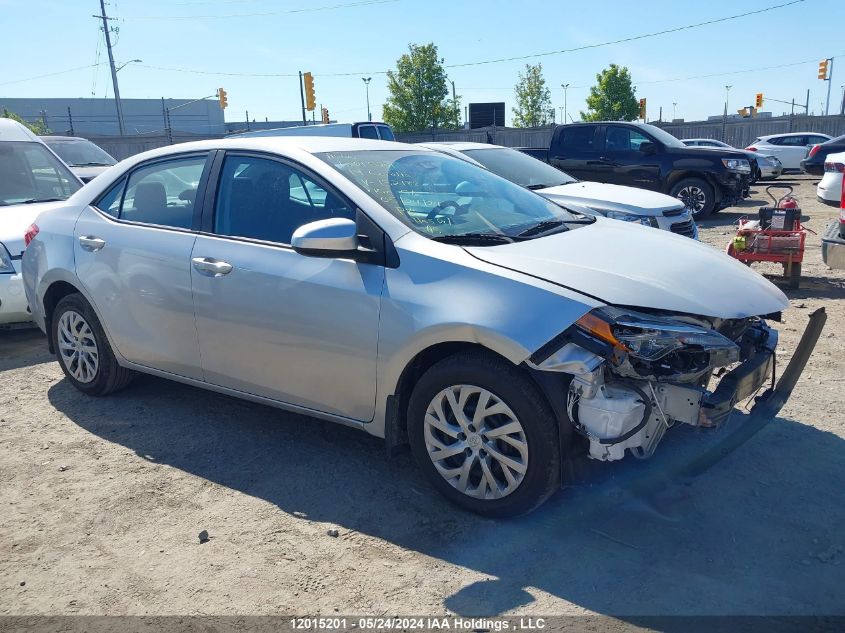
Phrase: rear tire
x=83 y=351
x=697 y=195
x=498 y=464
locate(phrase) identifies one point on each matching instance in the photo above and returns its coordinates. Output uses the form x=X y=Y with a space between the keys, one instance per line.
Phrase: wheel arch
x=552 y=387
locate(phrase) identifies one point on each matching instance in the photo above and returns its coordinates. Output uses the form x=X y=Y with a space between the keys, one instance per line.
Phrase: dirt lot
x=101 y=502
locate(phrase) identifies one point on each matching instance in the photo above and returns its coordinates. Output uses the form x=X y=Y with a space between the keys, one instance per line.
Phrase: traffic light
x=642 y=108
x=222 y=98
x=759 y=102
x=310 y=99
x=325 y=113
x=823 y=69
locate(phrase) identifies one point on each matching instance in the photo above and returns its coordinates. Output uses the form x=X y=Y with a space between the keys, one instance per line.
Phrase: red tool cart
x=777 y=236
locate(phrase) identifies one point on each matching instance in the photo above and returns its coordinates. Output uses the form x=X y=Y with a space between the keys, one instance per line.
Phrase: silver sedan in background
x=403 y=292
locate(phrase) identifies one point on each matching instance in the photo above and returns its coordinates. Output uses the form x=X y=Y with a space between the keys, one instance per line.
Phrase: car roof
x=786 y=134
x=11 y=130
x=308 y=144
x=64 y=138
x=460 y=146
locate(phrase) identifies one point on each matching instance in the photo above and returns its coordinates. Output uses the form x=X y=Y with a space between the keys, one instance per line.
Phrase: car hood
x=15 y=220
x=606 y=197
x=632 y=265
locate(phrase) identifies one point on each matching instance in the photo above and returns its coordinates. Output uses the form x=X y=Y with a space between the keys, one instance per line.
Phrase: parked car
x=829 y=190
x=612 y=201
x=642 y=155
x=790 y=149
x=364 y=129
x=814 y=163
x=84 y=158
x=763 y=166
x=403 y=292
x=32 y=178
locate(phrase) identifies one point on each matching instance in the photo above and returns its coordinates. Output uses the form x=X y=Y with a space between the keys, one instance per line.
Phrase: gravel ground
x=102 y=501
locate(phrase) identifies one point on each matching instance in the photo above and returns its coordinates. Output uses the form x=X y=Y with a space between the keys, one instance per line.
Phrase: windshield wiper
x=34 y=200
x=542 y=227
x=480 y=238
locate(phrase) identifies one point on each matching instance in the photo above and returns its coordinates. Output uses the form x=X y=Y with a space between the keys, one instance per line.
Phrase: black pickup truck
x=642 y=155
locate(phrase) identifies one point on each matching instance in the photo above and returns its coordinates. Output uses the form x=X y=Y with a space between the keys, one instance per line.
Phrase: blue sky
x=368 y=38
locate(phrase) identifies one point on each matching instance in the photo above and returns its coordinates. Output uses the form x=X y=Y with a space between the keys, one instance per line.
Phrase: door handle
x=211 y=267
x=91 y=243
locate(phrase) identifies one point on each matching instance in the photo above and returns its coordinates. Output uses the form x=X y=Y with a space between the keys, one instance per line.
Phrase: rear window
x=367 y=131
x=386 y=133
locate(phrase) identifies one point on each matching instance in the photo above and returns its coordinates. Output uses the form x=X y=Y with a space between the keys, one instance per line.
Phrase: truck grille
x=684 y=228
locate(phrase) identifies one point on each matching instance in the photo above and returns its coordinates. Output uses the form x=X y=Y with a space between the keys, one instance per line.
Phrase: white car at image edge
x=789 y=148
x=32 y=180
x=829 y=189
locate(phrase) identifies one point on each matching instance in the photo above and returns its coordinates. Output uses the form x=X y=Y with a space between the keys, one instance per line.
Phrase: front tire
x=484 y=436
x=697 y=195
x=83 y=351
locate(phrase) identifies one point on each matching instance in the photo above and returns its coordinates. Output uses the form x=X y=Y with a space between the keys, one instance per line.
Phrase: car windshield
x=661 y=135
x=519 y=168
x=29 y=172
x=80 y=153
x=450 y=199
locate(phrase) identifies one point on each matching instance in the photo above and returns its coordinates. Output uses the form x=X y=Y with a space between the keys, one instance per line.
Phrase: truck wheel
x=484 y=436
x=697 y=195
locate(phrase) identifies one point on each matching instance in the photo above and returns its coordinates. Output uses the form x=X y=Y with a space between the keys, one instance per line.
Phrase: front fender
x=465 y=300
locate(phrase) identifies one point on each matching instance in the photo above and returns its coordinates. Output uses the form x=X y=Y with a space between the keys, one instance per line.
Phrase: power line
x=58 y=72
x=625 y=39
x=361 y=3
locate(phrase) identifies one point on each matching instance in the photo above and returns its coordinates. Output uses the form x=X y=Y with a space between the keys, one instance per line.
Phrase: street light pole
x=674 y=105
x=366 y=81
x=565 y=111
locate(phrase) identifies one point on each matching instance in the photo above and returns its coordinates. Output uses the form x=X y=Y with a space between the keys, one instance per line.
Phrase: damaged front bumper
x=620 y=413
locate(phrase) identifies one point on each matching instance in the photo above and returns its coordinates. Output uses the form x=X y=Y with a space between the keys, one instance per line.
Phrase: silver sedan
x=403 y=292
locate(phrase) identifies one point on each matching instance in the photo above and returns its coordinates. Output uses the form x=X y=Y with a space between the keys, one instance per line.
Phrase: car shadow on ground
x=760 y=532
x=22 y=348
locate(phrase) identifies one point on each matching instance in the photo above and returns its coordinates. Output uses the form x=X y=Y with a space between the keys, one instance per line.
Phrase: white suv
x=790 y=148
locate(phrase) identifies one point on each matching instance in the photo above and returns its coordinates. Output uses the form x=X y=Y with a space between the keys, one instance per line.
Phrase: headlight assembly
x=649 y=338
x=626 y=217
x=5 y=261
x=740 y=165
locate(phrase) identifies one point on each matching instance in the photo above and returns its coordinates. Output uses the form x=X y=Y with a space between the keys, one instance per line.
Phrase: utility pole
x=302 y=98
x=565 y=109
x=366 y=81
x=455 y=102
x=247 y=120
x=829 y=84
x=807 y=103
x=70 y=121
x=117 y=103
x=842 y=107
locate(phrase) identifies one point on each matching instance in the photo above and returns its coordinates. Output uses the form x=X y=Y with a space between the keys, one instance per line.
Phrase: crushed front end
x=637 y=373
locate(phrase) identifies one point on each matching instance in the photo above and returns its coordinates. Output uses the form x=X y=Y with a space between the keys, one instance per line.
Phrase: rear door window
x=367 y=131
x=580 y=138
x=163 y=193
x=792 y=141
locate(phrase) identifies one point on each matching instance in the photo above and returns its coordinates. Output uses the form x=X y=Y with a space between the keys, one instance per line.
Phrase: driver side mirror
x=647 y=147
x=334 y=237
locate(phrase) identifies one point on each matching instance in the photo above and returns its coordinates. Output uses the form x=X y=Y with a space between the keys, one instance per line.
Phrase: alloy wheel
x=693 y=198
x=476 y=442
x=77 y=346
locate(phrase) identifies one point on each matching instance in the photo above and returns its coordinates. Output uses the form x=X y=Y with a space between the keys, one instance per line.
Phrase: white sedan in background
x=829 y=189
x=767 y=167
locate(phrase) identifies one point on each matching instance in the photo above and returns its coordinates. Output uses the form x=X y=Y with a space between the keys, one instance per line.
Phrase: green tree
x=38 y=127
x=533 y=99
x=612 y=98
x=419 y=93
